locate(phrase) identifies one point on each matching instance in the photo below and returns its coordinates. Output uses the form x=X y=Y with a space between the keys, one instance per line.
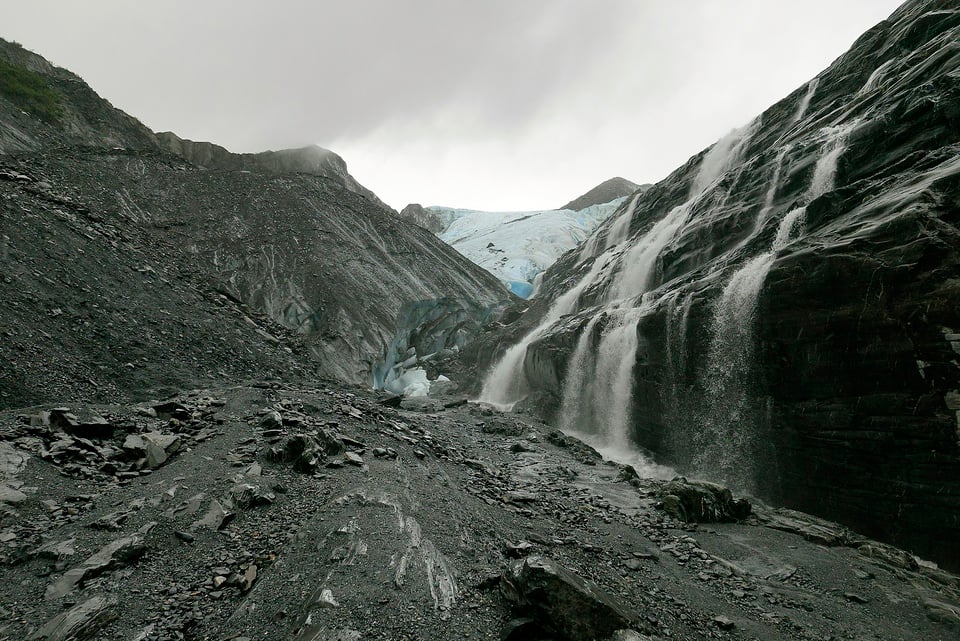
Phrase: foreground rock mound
x=562 y=602
x=433 y=526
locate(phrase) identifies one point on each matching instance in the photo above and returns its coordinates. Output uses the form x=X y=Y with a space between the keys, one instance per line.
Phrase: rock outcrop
x=313 y=160
x=781 y=313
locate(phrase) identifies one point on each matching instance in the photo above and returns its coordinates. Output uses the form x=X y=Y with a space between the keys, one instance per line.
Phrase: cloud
x=460 y=102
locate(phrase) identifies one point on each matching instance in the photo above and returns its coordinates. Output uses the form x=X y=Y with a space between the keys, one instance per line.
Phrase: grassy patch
x=30 y=92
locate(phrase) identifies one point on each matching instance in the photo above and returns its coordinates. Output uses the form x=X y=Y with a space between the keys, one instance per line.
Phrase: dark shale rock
x=702 y=502
x=82 y=621
x=114 y=554
x=306 y=452
x=562 y=601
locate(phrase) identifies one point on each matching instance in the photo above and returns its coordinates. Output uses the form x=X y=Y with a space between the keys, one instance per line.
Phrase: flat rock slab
x=11 y=496
x=560 y=600
x=114 y=554
x=82 y=621
x=12 y=461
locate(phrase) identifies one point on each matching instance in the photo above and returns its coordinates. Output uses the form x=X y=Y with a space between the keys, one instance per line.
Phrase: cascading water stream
x=805 y=101
x=598 y=390
x=506 y=383
x=727 y=445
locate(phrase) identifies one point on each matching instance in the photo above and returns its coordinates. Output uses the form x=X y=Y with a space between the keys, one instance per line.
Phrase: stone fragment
x=159 y=447
x=95 y=427
x=114 y=554
x=11 y=496
x=520 y=496
x=701 y=502
x=112 y=522
x=245 y=495
x=561 y=601
x=62 y=418
x=521 y=446
x=82 y=621
x=391 y=401
x=519 y=549
x=171 y=409
x=353 y=458
x=306 y=451
x=889 y=555
x=57 y=550
x=809 y=527
x=248 y=578
x=942 y=612
x=724 y=623
x=327 y=600
x=216 y=517
x=521 y=629
x=271 y=420
x=12 y=461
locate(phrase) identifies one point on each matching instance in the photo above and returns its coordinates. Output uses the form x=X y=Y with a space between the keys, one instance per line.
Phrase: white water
x=775 y=181
x=727 y=443
x=805 y=102
x=506 y=383
x=639 y=262
x=598 y=390
x=619 y=230
x=825 y=173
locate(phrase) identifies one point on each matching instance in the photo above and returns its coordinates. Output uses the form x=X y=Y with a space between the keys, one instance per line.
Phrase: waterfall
x=775 y=181
x=805 y=101
x=597 y=402
x=616 y=232
x=728 y=446
x=638 y=262
x=825 y=172
x=598 y=392
x=506 y=383
x=621 y=227
x=575 y=387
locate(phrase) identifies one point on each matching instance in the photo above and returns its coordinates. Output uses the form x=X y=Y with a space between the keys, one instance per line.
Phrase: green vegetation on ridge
x=30 y=92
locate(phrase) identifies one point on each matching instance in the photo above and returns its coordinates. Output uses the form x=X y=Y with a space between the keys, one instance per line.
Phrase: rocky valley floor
x=279 y=512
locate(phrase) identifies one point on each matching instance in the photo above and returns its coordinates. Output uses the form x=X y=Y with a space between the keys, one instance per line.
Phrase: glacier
x=517 y=246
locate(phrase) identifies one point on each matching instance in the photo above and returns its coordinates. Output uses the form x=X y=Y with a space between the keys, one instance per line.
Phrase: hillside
x=129 y=269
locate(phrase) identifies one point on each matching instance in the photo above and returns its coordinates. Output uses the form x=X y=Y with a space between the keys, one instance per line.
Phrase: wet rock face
x=780 y=314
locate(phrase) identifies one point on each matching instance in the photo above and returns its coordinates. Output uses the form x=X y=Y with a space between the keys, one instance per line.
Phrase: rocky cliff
x=782 y=312
x=127 y=268
x=312 y=160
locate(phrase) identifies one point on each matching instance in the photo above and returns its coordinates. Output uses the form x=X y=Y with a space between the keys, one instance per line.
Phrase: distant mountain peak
x=603 y=193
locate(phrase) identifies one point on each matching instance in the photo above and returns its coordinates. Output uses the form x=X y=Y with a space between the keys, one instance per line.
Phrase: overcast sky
x=486 y=104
